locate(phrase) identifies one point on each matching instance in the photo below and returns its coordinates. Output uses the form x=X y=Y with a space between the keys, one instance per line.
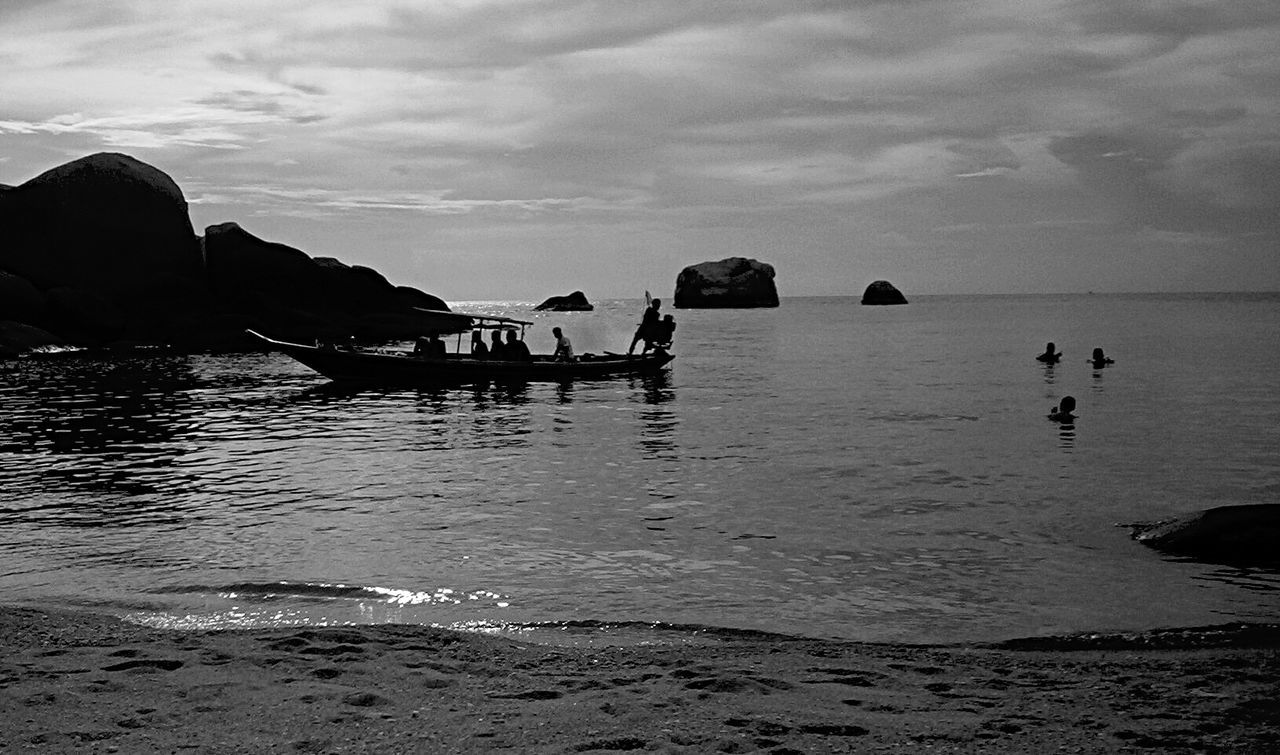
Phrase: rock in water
x=19 y=300
x=732 y=282
x=574 y=302
x=882 y=292
x=18 y=338
x=105 y=223
x=1226 y=534
x=101 y=252
x=288 y=292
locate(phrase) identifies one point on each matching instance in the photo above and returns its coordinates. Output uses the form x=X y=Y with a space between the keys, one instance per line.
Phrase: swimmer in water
x=1049 y=356
x=1100 y=360
x=1063 y=411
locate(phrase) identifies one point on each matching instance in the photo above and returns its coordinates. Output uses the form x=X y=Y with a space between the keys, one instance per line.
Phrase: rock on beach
x=1226 y=534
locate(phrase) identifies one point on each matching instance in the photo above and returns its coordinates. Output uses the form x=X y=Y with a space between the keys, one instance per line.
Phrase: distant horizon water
x=822 y=468
x=668 y=296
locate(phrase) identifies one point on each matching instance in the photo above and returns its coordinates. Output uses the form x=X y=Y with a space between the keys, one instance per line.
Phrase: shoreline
x=83 y=682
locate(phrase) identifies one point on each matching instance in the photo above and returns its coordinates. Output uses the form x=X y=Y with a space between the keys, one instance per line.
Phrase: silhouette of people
x=663 y=333
x=478 y=349
x=1100 y=360
x=1063 y=411
x=564 y=349
x=648 y=323
x=496 y=349
x=1049 y=356
x=517 y=350
x=431 y=347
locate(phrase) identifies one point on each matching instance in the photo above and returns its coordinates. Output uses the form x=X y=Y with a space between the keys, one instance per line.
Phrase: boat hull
x=346 y=366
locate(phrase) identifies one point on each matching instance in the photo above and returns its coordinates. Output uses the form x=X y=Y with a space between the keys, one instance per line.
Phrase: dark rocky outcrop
x=18 y=338
x=574 y=302
x=732 y=282
x=101 y=251
x=1226 y=534
x=106 y=221
x=882 y=292
x=303 y=297
x=19 y=300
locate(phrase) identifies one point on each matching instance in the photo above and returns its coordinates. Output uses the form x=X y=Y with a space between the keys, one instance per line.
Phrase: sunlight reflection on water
x=818 y=469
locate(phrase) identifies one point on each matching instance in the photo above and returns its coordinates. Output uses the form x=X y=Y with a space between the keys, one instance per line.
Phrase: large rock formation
x=101 y=251
x=19 y=300
x=105 y=222
x=1226 y=534
x=732 y=282
x=574 y=302
x=304 y=297
x=882 y=292
x=18 y=338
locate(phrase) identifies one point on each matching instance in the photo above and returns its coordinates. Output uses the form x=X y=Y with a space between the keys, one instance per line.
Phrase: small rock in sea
x=574 y=302
x=735 y=282
x=882 y=293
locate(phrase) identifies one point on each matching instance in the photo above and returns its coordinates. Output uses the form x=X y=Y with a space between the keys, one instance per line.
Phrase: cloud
x=672 y=116
x=1230 y=176
x=198 y=125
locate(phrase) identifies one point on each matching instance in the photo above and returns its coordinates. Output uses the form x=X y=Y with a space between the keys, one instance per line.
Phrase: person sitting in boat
x=1100 y=360
x=517 y=350
x=564 y=349
x=1049 y=356
x=478 y=349
x=496 y=349
x=430 y=347
x=1063 y=411
x=648 y=324
x=663 y=334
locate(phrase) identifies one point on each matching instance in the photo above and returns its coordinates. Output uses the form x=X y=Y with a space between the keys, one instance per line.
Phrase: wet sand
x=85 y=683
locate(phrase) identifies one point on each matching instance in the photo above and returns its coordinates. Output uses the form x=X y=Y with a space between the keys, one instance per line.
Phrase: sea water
x=823 y=469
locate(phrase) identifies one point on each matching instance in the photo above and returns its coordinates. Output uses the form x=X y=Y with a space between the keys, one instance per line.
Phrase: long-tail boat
x=350 y=364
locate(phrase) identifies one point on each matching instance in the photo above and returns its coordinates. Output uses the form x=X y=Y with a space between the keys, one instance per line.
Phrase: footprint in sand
x=533 y=694
x=163 y=664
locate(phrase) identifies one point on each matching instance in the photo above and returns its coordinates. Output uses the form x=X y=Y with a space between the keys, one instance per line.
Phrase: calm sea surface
x=823 y=468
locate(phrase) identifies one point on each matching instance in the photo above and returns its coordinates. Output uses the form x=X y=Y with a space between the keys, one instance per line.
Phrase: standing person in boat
x=517 y=349
x=496 y=349
x=648 y=324
x=564 y=349
x=478 y=349
x=1049 y=356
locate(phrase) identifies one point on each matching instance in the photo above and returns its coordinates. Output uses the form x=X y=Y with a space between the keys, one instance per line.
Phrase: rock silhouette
x=574 y=302
x=732 y=282
x=882 y=293
x=1227 y=534
x=100 y=252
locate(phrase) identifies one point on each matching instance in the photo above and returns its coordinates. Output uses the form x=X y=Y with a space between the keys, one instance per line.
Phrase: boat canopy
x=445 y=321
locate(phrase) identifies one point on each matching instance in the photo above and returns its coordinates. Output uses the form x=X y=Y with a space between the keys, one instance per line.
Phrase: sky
x=519 y=149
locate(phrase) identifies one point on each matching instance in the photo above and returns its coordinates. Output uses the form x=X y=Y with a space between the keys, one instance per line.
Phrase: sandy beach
x=72 y=682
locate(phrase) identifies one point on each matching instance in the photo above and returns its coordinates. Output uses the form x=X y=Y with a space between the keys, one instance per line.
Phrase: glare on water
x=821 y=468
